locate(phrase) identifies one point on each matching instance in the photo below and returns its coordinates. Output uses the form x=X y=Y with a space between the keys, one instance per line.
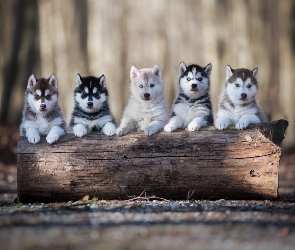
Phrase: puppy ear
x=255 y=73
x=79 y=80
x=32 y=81
x=134 y=72
x=157 y=71
x=53 y=81
x=103 y=81
x=208 y=69
x=229 y=72
x=181 y=68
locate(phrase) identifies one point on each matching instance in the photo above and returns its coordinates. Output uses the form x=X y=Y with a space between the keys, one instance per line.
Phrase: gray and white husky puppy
x=192 y=108
x=237 y=104
x=91 y=107
x=42 y=114
x=147 y=109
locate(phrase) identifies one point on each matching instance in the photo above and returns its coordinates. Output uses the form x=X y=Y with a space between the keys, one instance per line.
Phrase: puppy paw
x=109 y=129
x=79 y=130
x=242 y=124
x=222 y=124
x=34 y=138
x=170 y=127
x=193 y=126
x=52 y=137
x=120 y=131
x=150 y=131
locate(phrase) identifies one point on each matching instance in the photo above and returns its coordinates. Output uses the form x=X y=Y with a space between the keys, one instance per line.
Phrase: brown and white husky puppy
x=42 y=114
x=238 y=105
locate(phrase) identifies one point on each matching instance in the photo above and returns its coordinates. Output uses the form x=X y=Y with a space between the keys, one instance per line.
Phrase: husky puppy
x=91 y=109
x=147 y=109
x=192 y=108
x=42 y=114
x=237 y=105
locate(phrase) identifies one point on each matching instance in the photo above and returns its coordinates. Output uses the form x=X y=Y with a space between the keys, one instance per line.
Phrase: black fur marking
x=190 y=69
x=203 y=101
x=91 y=82
x=91 y=116
x=182 y=97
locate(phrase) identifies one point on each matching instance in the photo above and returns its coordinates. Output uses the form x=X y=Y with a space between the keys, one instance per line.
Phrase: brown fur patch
x=43 y=84
x=244 y=74
x=225 y=100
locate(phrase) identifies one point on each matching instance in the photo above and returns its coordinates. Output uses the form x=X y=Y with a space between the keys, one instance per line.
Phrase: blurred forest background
x=95 y=37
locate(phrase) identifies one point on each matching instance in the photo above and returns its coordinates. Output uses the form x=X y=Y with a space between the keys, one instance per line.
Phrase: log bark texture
x=207 y=164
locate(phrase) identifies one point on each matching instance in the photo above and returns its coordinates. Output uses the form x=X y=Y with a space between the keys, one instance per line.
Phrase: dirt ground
x=145 y=223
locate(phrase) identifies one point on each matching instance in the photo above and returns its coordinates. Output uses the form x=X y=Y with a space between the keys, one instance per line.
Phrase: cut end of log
x=230 y=164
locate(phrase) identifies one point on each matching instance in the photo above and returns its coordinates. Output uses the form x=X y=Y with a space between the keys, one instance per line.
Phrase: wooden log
x=230 y=164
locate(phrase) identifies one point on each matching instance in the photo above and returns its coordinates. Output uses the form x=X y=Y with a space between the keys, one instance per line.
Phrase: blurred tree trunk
x=21 y=56
x=62 y=45
x=11 y=65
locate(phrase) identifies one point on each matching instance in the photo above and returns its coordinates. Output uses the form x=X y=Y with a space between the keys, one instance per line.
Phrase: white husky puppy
x=192 y=107
x=42 y=114
x=237 y=105
x=147 y=109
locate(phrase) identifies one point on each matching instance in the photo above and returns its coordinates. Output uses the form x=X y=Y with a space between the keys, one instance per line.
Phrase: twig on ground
x=190 y=193
x=145 y=197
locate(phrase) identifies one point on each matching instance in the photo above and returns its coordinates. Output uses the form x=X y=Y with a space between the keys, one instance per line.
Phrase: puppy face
x=241 y=85
x=42 y=93
x=194 y=80
x=90 y=92
x=146 y=84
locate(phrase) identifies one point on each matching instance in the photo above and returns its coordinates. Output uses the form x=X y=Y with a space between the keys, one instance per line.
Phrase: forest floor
x=144 y=223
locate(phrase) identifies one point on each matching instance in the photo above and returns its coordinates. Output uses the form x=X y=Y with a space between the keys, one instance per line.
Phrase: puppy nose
x=42 y=106
x=89 y=104
x=194 y=86
x=146 y=95
x=243 y=95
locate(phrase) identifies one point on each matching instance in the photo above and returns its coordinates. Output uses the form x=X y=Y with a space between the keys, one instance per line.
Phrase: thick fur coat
x=238 y=105
x=192 y=107
x=147 y=109
x=91 y=107
x=42 y=114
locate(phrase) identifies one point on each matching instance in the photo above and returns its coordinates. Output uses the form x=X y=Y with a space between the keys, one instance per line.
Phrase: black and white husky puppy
x=192 y=108
x=237 y=104
x=42 y=114
x=91 y=109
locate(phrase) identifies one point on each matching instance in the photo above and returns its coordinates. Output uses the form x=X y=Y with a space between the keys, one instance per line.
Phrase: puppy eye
x=48 y=96
x=188 y=78
x=141 y=86
x=37 y=96
x=200 y=79
x=237 y=85
x=83 y=95
x=152 y=85
x=249 y=86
